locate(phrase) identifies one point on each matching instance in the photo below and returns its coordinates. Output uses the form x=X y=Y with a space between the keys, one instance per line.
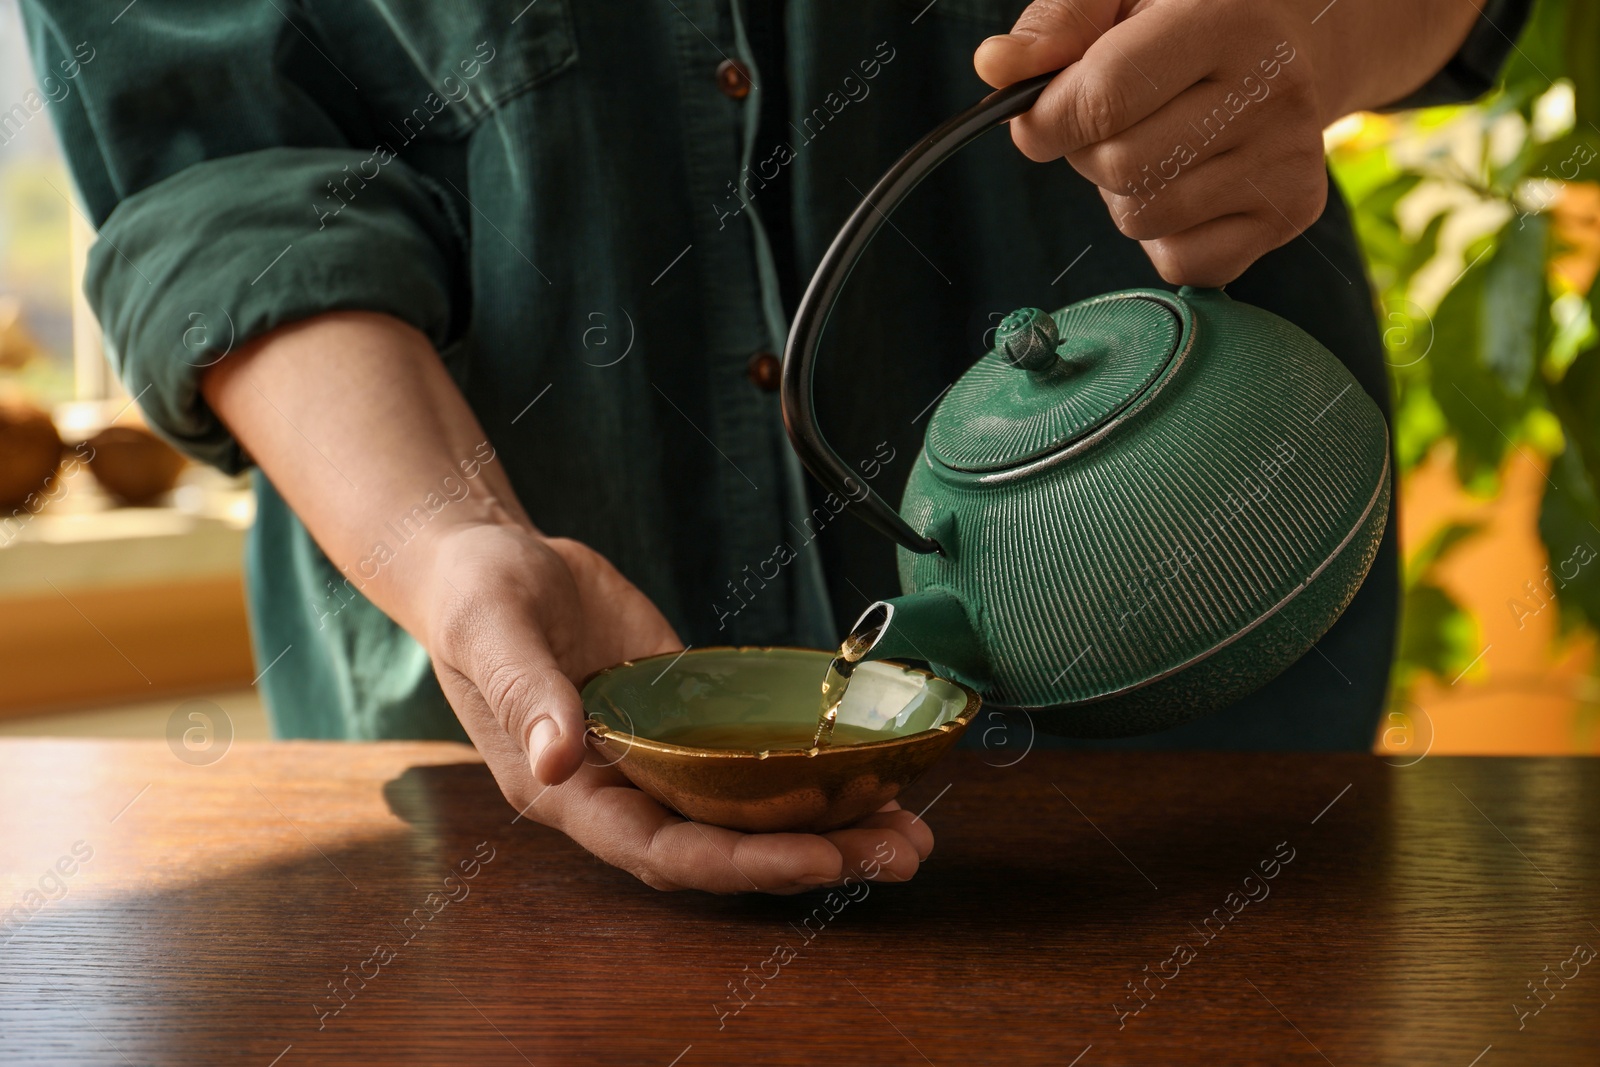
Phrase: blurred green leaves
x=1436 y=636
x=1514 y=301
x=1569 y=517
x=1491 y=350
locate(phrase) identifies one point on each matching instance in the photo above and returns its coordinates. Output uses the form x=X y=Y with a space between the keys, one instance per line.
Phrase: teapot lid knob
x=1027 y=338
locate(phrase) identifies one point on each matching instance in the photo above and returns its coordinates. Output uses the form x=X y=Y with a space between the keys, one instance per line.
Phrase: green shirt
x=601 y=233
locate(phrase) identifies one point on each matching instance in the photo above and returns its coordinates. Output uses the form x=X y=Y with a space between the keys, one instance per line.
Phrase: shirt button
x=733 y=79
x=765 y=371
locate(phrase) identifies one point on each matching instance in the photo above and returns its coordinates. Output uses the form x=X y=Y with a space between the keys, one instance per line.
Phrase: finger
x=1291 y=195
x=1211 y=254
x=505 y=657
x=632 y=628
x=904 y=823
x=1214 y=253
x=627 y=829
x=1047 y=36
x=875 y=854
x=1163 y=208
x=507 y=759
x=1195 y=127
x=1125 y=76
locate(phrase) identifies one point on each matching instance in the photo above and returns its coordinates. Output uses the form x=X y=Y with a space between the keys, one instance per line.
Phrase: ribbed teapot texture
x=1134 y=510
x=1128 y=559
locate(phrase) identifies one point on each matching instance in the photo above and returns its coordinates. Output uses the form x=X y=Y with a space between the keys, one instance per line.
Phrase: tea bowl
x=911 y=716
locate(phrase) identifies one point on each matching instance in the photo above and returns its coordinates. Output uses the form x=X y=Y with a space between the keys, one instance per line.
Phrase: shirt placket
x=772 y=586
x=812 y=614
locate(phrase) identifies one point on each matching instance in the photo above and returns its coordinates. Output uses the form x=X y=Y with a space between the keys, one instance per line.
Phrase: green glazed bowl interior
x=913 y=719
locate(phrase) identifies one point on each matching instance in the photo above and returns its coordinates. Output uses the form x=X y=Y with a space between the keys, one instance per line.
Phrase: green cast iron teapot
x=1132 y=511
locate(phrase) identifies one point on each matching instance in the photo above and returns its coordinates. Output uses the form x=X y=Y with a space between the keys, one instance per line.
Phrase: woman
x=487 y=294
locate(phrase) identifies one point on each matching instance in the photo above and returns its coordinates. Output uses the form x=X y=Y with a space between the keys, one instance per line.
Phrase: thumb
x=1049 y=35
x=535 y=703
x=555 y=741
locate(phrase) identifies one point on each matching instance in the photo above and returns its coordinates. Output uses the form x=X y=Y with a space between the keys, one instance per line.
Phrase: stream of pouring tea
x=836 y=682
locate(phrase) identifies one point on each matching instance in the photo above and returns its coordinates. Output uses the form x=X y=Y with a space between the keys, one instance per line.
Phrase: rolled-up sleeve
x=228 y=201
x=220 y=253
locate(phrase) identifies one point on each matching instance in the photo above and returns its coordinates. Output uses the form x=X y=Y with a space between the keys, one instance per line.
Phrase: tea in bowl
x=727 y=736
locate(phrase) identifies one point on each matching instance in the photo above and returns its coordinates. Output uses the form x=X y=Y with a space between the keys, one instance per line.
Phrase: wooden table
x=1408 y=910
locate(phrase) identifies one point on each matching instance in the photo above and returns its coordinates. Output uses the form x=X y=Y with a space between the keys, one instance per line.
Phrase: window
x=49 y=343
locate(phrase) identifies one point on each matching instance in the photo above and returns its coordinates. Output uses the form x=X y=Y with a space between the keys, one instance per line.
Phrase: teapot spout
x=931 y=625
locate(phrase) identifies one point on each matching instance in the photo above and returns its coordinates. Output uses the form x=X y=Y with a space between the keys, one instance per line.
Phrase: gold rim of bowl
x=604 y=733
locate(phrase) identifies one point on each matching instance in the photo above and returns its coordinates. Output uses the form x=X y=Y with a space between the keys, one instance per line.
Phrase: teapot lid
x=1052 y=379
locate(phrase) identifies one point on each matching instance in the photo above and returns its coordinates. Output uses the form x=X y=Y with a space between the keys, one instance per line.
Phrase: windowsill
x=101 y=604
x=83 y=540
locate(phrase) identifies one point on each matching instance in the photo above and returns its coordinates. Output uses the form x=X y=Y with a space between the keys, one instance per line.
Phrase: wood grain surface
x=1438 y=913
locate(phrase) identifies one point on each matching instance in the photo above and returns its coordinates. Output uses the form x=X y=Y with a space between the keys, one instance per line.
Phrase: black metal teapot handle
x=811 y=317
